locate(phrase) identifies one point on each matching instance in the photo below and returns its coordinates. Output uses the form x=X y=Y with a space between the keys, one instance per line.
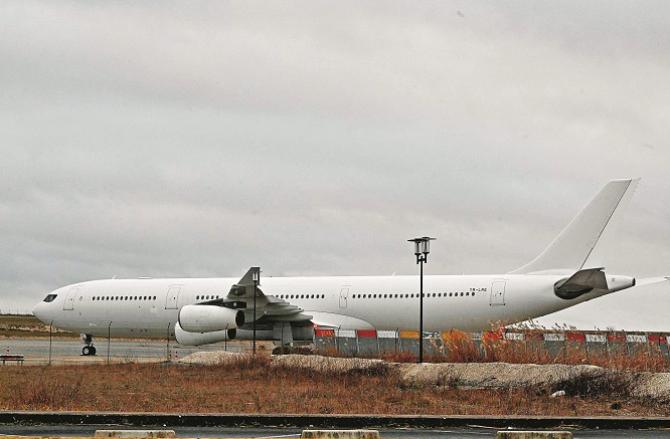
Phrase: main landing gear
x=88 y=348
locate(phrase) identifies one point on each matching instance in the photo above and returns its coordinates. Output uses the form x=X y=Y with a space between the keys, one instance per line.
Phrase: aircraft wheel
x=86 y=351
x=93 y=350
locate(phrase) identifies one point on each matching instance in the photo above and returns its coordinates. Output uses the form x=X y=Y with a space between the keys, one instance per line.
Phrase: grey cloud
x=171 y=139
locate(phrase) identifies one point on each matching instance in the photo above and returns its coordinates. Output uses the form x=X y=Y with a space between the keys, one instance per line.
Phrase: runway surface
x=36 y=350
x=214 y=432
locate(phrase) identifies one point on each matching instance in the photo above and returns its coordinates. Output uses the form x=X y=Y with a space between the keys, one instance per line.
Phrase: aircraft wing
x=338 y=321
x=268 y=308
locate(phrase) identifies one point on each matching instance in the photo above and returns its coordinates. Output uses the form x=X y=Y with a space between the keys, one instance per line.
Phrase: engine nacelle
x=209 y=318
x=199 y=338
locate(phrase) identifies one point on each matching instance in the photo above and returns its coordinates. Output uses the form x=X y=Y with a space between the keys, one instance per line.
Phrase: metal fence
x=41 y=351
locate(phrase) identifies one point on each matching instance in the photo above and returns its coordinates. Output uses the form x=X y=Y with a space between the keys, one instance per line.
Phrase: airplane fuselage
x=150 y=307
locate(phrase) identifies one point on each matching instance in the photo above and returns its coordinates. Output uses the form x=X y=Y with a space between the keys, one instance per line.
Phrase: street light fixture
x=421 y=250
x=255 y=276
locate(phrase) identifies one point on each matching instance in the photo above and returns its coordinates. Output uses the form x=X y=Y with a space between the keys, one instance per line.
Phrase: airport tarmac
x=215 y=432
x=36 y=350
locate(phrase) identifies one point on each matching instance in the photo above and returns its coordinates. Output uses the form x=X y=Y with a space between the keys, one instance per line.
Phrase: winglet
x=243 y=287
x=573 y=246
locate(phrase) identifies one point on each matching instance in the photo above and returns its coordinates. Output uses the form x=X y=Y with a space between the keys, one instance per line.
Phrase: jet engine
x=209 y=318
x=199 y=338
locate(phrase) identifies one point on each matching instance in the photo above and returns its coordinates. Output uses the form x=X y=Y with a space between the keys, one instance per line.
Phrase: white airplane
x=209 y=310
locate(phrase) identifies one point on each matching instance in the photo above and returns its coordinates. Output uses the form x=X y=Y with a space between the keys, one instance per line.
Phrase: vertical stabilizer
x=573 y=246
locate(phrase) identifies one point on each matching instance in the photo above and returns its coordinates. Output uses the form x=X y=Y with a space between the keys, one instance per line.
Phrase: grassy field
x=252 y=386
x=27 y=326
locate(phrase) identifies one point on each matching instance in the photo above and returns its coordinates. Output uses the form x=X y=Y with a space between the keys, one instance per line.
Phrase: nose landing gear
x=88 y=348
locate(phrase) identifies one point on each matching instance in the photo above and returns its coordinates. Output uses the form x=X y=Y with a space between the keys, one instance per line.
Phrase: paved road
x=36 y=350
x=205 y=432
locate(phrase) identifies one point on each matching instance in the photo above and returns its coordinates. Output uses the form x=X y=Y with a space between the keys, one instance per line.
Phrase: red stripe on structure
x=492 y=335
x=616 y=337
x=324 y=332
x=369 y=333
x=656 y=338
x=578 y=337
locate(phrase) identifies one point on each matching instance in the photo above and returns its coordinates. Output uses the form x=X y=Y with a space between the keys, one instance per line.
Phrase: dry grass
x=458 y=347
x=252 y=386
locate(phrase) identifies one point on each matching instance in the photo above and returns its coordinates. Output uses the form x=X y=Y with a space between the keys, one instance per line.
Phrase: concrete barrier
x=340 y=434
x=590 y=344
x=534 y=434
x=135 y=434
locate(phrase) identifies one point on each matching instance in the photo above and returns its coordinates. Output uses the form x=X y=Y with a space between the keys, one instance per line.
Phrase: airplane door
x=344 y=296
x=172 y=296
x=498 y=293
x=68 y=304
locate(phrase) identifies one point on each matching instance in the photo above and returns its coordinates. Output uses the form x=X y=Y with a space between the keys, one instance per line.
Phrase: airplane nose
x=38 y=311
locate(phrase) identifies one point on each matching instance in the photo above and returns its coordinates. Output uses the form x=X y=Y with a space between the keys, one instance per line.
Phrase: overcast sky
x=200 y=138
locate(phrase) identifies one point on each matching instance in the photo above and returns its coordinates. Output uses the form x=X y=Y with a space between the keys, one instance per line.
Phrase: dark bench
x=6 y=357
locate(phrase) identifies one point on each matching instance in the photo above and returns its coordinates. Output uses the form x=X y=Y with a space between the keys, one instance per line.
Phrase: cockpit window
x=50 y=297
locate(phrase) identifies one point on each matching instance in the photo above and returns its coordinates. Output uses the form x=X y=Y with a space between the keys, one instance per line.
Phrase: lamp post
x=421 y=250
x=255 y=276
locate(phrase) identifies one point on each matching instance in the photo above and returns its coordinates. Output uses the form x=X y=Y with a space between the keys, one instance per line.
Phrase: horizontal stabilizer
x=582 y=282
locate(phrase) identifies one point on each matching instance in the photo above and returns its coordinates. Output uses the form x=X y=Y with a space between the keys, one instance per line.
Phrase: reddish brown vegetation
x=252 y=386
x=458 y=347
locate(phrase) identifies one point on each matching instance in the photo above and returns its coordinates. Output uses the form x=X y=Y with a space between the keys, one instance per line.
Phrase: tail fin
x=572 y=248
